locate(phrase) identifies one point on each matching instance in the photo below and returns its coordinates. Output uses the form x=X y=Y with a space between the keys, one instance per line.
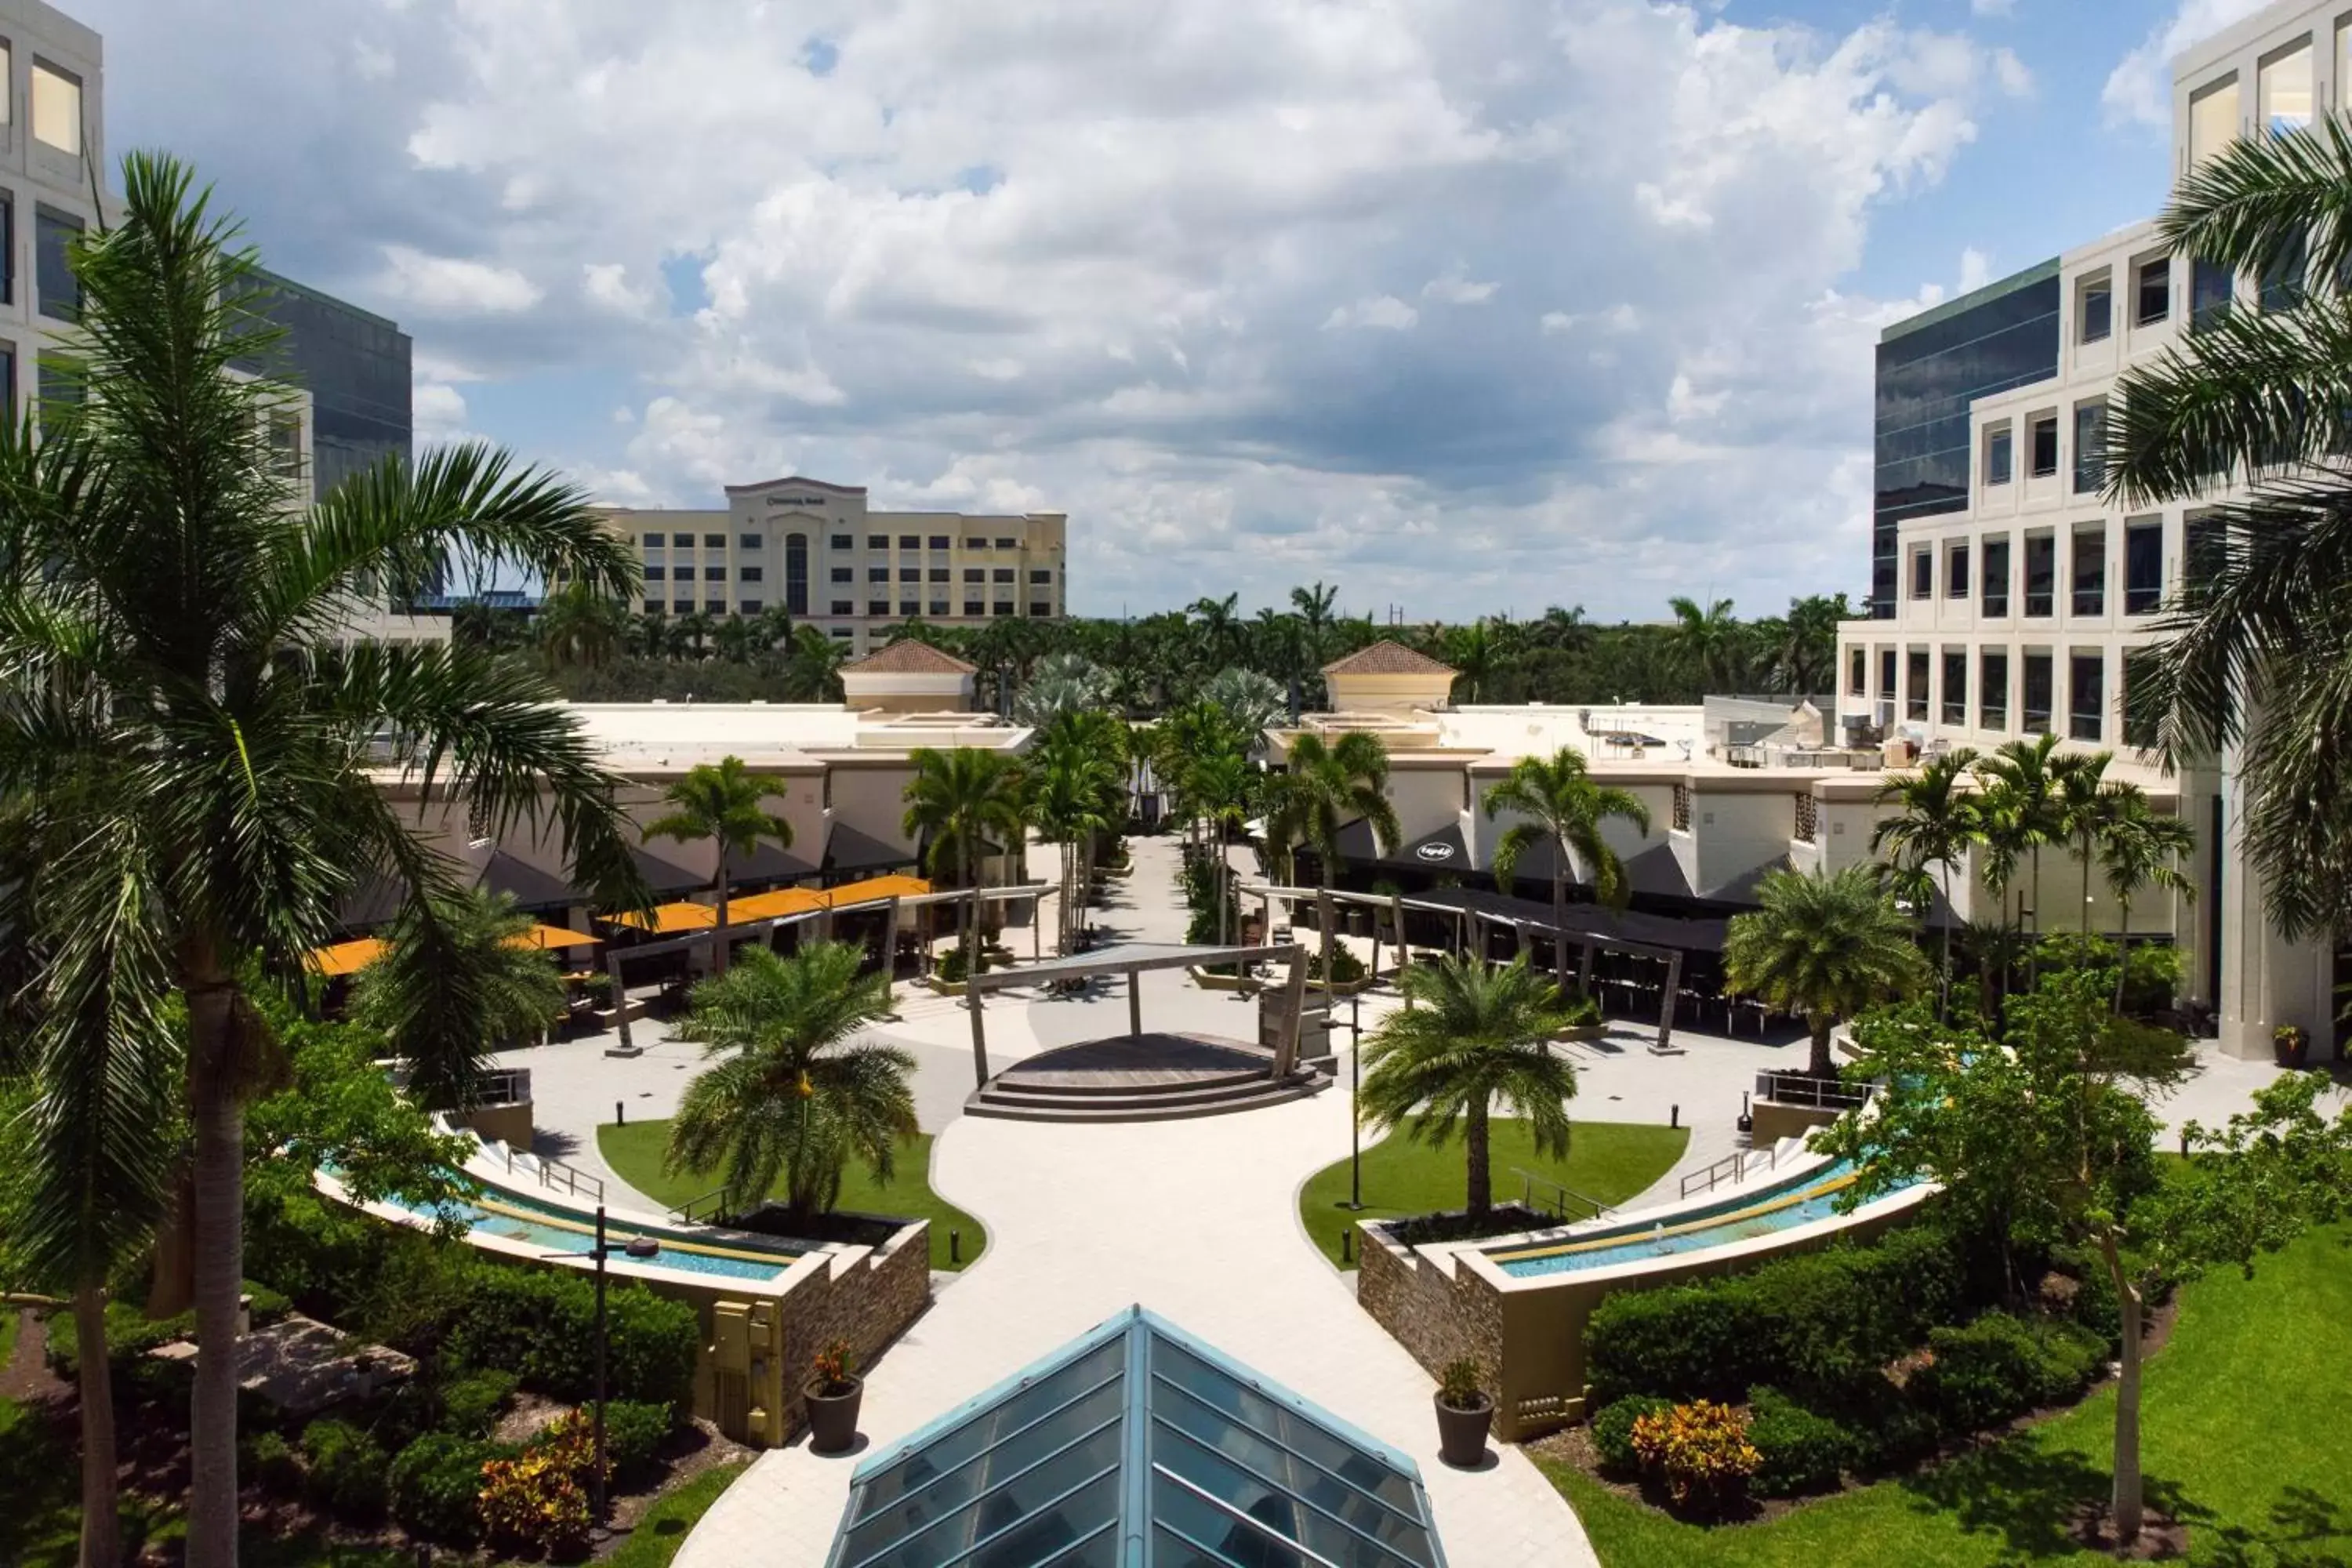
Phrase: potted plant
x=1464 y=1412
x=833 y=1392
x=2292 y=1044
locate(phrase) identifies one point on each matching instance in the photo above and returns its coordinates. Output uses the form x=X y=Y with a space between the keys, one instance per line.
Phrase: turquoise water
x=531 y=1226
x=1687 y=1231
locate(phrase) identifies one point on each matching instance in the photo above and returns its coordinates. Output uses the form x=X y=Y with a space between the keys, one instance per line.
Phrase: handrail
x=572 y=1178
x=1734 y=1166
x=1530 y=1179
x=691 y=1212
x=1802 y=1089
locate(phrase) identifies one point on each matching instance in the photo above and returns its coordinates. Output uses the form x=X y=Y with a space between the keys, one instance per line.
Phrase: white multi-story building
x=52 y=166
x=814 y=549
x=2020 y=602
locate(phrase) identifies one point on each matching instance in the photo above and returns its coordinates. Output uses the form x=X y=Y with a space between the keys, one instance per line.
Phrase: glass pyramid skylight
x=1137 y=1447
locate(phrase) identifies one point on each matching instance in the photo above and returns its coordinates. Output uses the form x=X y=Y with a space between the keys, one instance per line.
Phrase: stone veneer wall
x=1440 y=1314
x=869 y=1298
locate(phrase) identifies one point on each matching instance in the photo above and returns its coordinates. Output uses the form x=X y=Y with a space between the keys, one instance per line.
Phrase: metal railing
x=1803 y=1088
x=694 y=1211
x=555 y=1172
x=1733 y=1167
x=505 y=1086
x=1560 y=1198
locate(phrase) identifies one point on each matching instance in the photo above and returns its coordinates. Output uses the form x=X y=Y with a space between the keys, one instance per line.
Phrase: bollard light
x=955 y=1246
x=1674 y=1117
x=620 y=1114
x=1347 y=1246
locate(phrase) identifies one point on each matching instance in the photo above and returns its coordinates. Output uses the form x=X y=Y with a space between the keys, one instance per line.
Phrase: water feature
x=519 y=1217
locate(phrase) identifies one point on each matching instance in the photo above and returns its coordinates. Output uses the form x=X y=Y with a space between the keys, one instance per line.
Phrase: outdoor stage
x=1140 y=1078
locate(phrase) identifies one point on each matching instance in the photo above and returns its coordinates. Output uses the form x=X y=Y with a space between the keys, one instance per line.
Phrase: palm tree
x=1219 y=625
x=1938 y=822
x=1473 y=652
x=2017 y=813
x=721 y=801
x=180 y=654
x=2257 y=646
x=956 y=801
x=794 y=1097
x=1823 y=948
x=1996 y=947
x=448 y=990
x=2080 y=800
x=813 y=667
x=2138 y=849
x=1253 y=703
x=1708 y=638
x=1470 y=1034
x=1559 y=803
x=1315 y=617
x=1067 y=786
x=1063 y=683
x=578 y=625
x=1222 y=786
x=1327 y=786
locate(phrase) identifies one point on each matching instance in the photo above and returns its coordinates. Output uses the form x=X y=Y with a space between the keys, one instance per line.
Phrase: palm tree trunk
x=217 y=1121
x=102 y=1524
x=970 y=907
x=2128 y=1500
x=1481 y=1179
x=719 y=943
x=1944 y=983
x=1559 y=915
x=2086 y=884
x=1822 y=1065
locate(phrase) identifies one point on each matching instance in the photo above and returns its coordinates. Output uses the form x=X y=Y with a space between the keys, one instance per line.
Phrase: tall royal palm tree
x=1471 y=1034
x=1222 y=787
x=2258 y=646
x=1708 y=637
x=2140 y=848
x=794 y=1097
x=1823 y=948
x=1328 y=786
x=721 y=801
x=2083 y=799
x=1938 y=820
x=180 y=658
x=2017 y=813
x=958 y=802
x=1314 y=607
x=1220 y=627
x=1559 y=803
x=449 y=989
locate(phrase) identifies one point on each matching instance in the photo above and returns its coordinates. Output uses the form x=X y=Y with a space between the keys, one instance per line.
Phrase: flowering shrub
x=538 y=1502
x=1700 y=1453
x=834 y=1370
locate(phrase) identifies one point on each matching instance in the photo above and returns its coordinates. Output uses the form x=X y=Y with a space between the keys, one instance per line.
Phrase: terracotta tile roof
x=1387 y=657
x=907 y=657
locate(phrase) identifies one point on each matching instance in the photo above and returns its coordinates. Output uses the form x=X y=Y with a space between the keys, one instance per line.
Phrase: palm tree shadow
x=2305 y=1530
x=2032 y=1499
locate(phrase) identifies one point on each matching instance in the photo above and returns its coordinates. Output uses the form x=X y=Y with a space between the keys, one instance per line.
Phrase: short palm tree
x=1561 y=803
x=1470 y=1035
x=1252 y=703
x=959 y=801
x=795 y=1098
x=451 y=988
x=2017 y=812
x=721 y=801
x=2140 y=848
x=1939 y=821
x=181 y=660
x=1328 y=786
x=1823 y=948
x=2081 y=801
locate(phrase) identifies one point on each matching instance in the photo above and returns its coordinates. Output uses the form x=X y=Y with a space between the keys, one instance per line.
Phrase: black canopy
x=1440 y=851
x=1597 y=922
x=766 y=863
x=531 y=888
x=664 y=877
x=850 y=850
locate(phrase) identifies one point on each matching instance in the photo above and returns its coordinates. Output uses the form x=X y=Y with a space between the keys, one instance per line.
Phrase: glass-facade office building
x=1930 y=368
x=354 y=365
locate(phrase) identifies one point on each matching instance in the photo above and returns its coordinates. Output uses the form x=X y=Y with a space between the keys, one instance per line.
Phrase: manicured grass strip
x=664 y=1527
x=1607 y=1161
x=634 y=1153
x=2243 y=1439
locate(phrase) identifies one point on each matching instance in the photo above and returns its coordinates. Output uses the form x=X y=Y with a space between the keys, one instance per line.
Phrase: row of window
x=1040 y=609
x=838 y=540
x=2085 y=711
x=1042 y=577
x=2143 y=570
x=2285 y=96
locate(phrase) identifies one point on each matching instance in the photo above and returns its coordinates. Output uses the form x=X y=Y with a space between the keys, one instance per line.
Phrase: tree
x=1063 y=683
x=1328 y=786
x=720 y=800
x=1470 y=1034
x=1473 y=652
x=2046 y=1139
x=1222 y=787
x=1939 y=821
x=2081 y=801
x=1253 y=703
x=578 y=625
x=813 y=667
x=1315 y=616
x=794 y=1096
x=2017 y=813
x=956 y=803
x=2138 y=849
x=1069 y=782
x=1220 y=628
x=453 y=985
x=1562 y=805
x=1709 y=640
x=1804 y=655
x=179 y=660
x=1823 y=948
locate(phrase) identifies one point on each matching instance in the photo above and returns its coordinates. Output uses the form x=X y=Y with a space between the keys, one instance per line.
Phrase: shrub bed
x=2000 y=1366
x=1797 y=1451
x=436 y=1484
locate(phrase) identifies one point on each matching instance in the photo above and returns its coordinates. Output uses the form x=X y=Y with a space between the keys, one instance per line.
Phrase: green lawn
x=2242 y=1441
x=636 y=1152
x=1607 y=1161
x=663 y=1529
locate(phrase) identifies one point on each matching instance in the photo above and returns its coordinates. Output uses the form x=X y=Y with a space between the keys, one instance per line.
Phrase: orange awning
x=346 y=957
x=876 y=888
x=548 y=936
x=668 y=919
x=772 y=906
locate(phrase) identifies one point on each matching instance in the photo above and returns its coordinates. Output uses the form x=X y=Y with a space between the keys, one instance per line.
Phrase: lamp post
x=638 y=1247
x=1355 y=1114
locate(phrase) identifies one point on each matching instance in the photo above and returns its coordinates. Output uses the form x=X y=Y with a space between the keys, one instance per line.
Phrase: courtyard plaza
x=1220 y=1248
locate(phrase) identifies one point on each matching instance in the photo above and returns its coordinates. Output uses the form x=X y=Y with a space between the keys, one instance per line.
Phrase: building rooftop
x=909 y=657
x=1387 y=657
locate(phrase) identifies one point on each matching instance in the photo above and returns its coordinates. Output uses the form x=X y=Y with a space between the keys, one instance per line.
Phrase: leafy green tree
x=1938 y=820
x=1559 y=803
x=721 y=801
x=454 y=984
x=958 y=802
x=2046 y=1139
x=1327 y=786
x=791 y=1094
x=179 y=660
x=1471 y=1034
x=1823 y=948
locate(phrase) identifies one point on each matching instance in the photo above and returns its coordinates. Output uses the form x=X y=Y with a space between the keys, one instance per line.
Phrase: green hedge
x=1613 y=1431
x=1802 y=1450
x=539 y=1324
x=344 y=1471
x=2000 y=1366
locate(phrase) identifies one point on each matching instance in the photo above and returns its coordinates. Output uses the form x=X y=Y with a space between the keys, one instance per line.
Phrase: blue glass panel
x=938 y=1494
x=1350 y=1495
x=1021 y=1519
x=1255 y=1535
x=1280 y=1423
x=1045 y=1536
x=1283 y=1509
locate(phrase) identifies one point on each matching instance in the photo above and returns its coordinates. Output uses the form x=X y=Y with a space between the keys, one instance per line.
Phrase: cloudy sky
x=1467 y=306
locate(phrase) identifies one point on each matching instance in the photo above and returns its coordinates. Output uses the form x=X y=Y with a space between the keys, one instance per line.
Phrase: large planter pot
x=1462 y=1433
x=2291 y=1047
x=832 y=1419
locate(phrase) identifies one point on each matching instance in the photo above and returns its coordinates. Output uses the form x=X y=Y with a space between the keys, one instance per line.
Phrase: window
x=1682 y=818
x=1002 y=574
x=939 y=607
x=839 y=632
x=7 y=226
x=654 y=541
x=1857 y=673
x=2212 y=120
x=2090 y=448
x=2210 y=284
x=910 y=542
x=716 y=573
x=749 y=541
x=714 y=542
x=2037 y=694
x=2283 y=90
x=877 y=542
x=2281 y=285
x=653 y=606
x=1956 y=686
x=2141 y=717
x=844 y=607
x=1001 y=607
x=1008 y=544
x=53 y=274
x=750 y=573
x=1886 y=674
x=877 y=573
x=797 y=574
x=2095 y=311
x=56 y=109
x=2155 y=292
x=1992 y=690
x=56 y=386
x=974 y=607
x=1807 y=827
x=682 y=541
x=2143 y=566
x=1042 y=575
x=938 y=575
x=878 y=607
x=7 y=364
x=2040 y=573
x=2204 y=550
x=1956 y=570
x=7 y=76
x=845 y=573
x=747 y=606
x=941 y=542
x=910 y=606
x=2086 y=696
x=910 y=573
x=286 y=446
x=1041 y=607
x=1914 y=685
x=972 y=543
x=714 y=607
x=682 y=606
x=844 y=542
x=655 y=574
x=2045 y=446
x=1923 y=574
x=2091 y=571
x=975 y=574
x=1996 y=576
x=2000 y=457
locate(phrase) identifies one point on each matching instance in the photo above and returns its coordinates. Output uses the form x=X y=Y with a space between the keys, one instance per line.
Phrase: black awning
x=664 y=877
x=375 y=901
x=766 y=863
x=849 y=850
x=1597 y=922
x=1652 y=869
x=1440 y=851
x=527 y=885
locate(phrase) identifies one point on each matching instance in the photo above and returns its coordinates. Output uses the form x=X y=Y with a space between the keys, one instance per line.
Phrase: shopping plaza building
x=816 y=551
